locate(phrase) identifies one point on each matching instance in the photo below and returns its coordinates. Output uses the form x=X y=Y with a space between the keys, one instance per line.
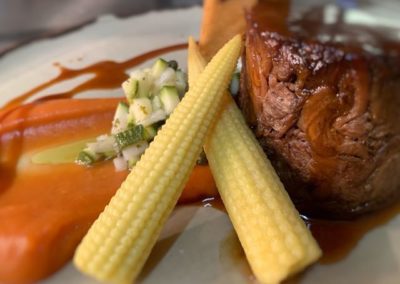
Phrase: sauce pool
x=107 y=75
x=44 y=211
x=336 y=239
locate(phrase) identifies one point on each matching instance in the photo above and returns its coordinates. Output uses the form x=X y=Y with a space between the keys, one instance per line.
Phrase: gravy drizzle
x=107 y=75
x=337 y=239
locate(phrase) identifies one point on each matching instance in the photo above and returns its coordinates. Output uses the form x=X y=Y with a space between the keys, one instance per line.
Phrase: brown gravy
x=107 y=75
x=58 y=119
x=333 y=23
x=336 y=238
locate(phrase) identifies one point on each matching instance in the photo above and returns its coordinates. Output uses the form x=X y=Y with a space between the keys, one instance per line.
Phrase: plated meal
x=289 y=119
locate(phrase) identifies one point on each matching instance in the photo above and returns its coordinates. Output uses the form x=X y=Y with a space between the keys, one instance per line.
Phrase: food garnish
x=152 y=94
x=275 y=239
x=119 y=242
x=63 y=154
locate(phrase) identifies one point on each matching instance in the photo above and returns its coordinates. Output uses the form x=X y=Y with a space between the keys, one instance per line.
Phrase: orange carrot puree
x=45 y=210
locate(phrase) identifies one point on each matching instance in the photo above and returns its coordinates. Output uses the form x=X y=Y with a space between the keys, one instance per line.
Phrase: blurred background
x=25 y=20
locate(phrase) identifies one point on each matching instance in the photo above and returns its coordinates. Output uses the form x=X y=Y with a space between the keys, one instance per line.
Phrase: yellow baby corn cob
x=120 y=240
x=196 y=62
x=275 y=239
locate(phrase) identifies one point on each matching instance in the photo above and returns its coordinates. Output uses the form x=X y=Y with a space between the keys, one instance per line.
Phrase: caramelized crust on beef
x=328 y=118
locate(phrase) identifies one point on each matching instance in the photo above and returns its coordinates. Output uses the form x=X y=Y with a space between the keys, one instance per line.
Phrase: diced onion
x=156 y=116
x=140 y=109
x=167 y=78
x=156 y=103
x=103 y=144
x=235 y=84
x=120 y=164
x=134 y=150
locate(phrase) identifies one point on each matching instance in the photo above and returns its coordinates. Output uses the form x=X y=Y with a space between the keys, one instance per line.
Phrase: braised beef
x=328 y=116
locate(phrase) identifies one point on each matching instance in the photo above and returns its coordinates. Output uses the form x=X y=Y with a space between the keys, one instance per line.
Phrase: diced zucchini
x=135 y=150
x=109 y=155
x=169 y=98
x=120 y=163
x=235 y=84
x=86 y=157
x=130 y=136
x=159 y=67
x=167 y=78
x=144 y=82
x=104 y=144
x=120 y=121
x=92 y=147
x=156 y=116
x=130 y=87
x=150 y=132
x=131 y=120
x=156 y=103
x=103 y=148
x=180 y=83
x=173 y=64
x=152 y=95
x=131 y=123
x=140 y=109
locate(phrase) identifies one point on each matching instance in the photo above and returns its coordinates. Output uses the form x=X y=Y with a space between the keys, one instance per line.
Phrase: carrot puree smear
x=45 y=210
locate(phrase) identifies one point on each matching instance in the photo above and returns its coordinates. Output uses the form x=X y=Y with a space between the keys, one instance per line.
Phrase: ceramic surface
x=198 y=244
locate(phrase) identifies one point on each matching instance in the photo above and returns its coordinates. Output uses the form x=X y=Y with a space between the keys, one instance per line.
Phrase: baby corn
x=275 y=239
x=119 y=242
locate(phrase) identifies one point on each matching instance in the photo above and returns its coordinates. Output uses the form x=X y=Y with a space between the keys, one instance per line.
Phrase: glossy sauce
x=337 y=25
x=44 y=211
x=337 y=239
x=109 y=75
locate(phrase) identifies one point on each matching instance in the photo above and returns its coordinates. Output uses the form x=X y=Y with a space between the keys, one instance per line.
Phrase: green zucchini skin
x=151 y=94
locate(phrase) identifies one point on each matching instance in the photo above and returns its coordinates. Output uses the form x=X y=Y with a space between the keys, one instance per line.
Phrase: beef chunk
x=328 y=118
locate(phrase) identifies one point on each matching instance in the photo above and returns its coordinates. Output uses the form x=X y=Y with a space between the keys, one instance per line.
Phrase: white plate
x=198 y=244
